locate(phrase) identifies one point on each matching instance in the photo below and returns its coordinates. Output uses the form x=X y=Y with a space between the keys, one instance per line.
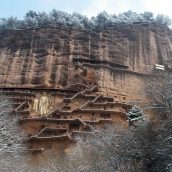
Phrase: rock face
x=65 y=81
x=116 y=59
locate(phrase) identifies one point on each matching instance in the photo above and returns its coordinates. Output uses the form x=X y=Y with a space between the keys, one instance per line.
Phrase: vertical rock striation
x=114 y=58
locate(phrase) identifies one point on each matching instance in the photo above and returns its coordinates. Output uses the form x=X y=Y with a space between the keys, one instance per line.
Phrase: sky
x=18 y=8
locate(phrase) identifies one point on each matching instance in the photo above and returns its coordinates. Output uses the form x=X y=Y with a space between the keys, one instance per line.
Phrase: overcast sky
x=90 y=8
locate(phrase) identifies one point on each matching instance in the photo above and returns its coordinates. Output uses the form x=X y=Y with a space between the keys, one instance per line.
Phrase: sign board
x=159 y=67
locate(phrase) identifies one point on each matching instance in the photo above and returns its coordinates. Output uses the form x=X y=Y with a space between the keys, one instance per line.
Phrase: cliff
x=116 y=59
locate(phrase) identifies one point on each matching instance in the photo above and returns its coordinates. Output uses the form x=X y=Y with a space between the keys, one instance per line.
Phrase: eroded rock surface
x=115 y=58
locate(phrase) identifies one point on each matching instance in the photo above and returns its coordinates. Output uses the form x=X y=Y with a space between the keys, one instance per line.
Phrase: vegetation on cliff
x=40 y=19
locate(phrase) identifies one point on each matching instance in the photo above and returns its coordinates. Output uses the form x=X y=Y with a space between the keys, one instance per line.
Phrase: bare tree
x=110 y=149
x=163 y=142
x=159 y=93
x=11 y=138
x=158 y=90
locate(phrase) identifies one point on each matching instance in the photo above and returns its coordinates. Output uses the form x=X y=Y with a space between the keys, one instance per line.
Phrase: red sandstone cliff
x=115 y=58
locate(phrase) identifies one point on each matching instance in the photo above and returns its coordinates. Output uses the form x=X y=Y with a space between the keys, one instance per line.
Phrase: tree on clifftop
x=34 y=19
x=163 y=20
